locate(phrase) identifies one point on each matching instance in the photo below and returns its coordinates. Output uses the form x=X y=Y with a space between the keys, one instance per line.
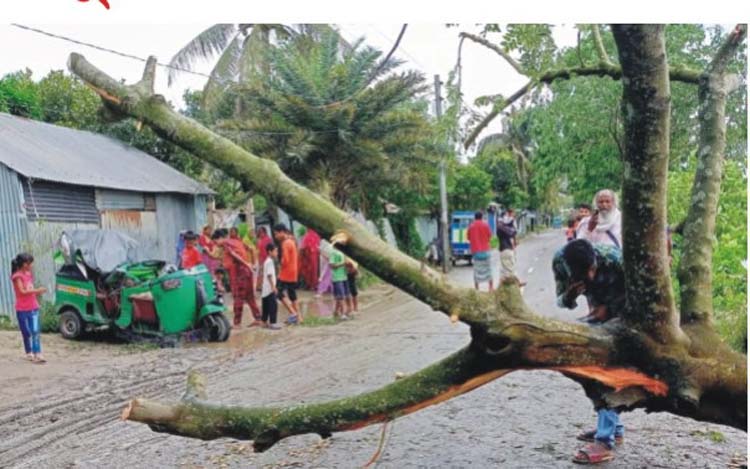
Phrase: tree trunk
x=646 y=110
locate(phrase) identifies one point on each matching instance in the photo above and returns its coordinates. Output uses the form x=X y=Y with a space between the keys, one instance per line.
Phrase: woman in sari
x=310 y=256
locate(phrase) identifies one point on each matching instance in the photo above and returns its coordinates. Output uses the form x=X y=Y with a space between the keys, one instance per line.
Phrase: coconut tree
x=241 y=54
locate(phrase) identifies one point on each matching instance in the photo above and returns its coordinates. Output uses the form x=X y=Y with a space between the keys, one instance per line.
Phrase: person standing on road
x=596 y=271
x=341 y=292
x=238 y=262
x=479 y=235
x=506 y=234
x=269 y=305
x=27 y=305
x=288 y=274
x=604 y=225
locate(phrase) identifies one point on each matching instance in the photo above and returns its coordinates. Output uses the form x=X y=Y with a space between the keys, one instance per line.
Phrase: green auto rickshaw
x=101 y=284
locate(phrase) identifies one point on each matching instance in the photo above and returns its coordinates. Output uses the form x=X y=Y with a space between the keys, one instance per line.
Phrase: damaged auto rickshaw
x=101 y=284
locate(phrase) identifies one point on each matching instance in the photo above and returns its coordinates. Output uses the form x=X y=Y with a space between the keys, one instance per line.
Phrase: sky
x=430 y=48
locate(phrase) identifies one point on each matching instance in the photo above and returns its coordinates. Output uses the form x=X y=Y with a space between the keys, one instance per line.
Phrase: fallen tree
x=649 y=358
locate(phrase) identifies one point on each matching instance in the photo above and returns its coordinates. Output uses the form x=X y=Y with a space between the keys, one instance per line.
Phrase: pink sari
x=309 y=259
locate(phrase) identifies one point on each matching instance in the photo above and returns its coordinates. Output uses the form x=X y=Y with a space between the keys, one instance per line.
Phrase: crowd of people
x=275 y=266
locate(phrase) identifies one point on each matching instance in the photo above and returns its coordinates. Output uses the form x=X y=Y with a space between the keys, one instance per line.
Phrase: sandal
x=594 y=453
x=589 y=437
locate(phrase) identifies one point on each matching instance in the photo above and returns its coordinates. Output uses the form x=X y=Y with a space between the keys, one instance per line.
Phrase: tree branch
x=600 y=50
x=694 y=273
x=604 y=68
x=499 y=50
x=459 y=373
x=265 y=176
x=613 y=71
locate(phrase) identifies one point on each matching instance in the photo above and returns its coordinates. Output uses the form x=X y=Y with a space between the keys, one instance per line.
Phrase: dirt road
x=65 y=413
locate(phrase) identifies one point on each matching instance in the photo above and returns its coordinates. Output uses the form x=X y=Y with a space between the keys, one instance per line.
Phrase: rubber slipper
x=594 y=453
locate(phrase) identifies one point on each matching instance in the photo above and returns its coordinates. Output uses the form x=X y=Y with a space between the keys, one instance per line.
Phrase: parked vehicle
x=460 y=221
x=100 y=284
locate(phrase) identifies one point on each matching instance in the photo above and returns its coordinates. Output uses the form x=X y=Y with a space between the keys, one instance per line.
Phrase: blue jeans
x=28 y=322
x=608 y=426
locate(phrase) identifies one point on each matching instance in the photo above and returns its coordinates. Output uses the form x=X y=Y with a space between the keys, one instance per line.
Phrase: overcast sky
x=431 y=48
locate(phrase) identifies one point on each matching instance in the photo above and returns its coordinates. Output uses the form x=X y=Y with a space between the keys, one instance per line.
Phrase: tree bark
x=646 y=109
x=694 y=273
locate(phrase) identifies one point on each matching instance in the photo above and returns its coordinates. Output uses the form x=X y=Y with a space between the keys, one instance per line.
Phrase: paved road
x=524 y=420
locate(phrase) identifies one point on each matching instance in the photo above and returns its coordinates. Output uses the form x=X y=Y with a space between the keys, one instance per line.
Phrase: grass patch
x=366 y=279
x=317 y=321
x=716 y=437
x=6 y=324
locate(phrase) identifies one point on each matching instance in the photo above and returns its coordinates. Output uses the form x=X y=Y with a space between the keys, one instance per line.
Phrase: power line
x=112 y=51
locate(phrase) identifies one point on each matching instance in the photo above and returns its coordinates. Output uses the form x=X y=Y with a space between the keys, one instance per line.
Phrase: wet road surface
x=523 y=420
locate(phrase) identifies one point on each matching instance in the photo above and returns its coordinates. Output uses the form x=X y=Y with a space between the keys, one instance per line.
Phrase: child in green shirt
x=337 y=261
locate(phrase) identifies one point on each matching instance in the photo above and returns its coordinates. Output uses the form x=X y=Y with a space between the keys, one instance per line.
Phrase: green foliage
x=323 y=121
x=730 y=248
x=470 y=188
x=6 y=324
x=66 y=101
x=501 y=165
x=48 y=318
x=19 y=95
x=407 y=236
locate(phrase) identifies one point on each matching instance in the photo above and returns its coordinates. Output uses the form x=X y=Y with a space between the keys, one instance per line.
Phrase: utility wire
x=111 y=51
x=141 y=59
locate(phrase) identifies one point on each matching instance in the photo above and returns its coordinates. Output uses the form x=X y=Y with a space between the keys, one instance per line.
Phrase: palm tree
x=241 y=49
x=337 y=118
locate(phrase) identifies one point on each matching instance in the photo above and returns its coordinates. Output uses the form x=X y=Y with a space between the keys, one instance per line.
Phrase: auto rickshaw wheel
x=71 y=324
x=215 y=327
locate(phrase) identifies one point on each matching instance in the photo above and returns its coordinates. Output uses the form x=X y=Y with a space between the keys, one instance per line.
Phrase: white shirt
x=603 y=233
x=269 y=268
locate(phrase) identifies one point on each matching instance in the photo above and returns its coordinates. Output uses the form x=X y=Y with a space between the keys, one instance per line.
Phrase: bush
x=49 y=320
x=6 y=323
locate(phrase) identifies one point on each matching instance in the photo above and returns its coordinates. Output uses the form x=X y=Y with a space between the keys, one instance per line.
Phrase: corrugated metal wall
x=139 y=225
x=43 y=237
x=201 y=210
x=13 y=233
x=119 y=200
x=174 y=212
x=53 y=201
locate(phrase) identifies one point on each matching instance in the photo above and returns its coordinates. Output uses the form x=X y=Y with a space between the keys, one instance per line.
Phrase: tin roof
x=39 y=150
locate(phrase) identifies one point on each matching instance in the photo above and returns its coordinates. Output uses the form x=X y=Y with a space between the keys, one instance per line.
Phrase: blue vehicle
x=460 y=221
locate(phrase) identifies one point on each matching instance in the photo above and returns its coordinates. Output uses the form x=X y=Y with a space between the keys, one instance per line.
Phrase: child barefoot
x=27 y=305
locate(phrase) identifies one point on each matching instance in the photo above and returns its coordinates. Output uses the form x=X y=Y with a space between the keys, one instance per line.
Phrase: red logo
x=103 y=2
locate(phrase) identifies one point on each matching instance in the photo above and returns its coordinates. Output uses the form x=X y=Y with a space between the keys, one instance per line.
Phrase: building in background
x=55 y=178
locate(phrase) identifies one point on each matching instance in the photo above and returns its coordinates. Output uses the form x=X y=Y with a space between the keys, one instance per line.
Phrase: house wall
x=13 y=233
x=175 y=213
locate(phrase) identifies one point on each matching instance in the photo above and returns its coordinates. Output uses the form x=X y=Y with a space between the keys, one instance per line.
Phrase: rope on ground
x=381 y=445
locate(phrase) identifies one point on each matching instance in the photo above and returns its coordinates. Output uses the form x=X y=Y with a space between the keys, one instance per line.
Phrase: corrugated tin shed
x=44 y=151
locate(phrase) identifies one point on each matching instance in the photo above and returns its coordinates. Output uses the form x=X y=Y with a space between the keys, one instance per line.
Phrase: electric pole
x=444 y=228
